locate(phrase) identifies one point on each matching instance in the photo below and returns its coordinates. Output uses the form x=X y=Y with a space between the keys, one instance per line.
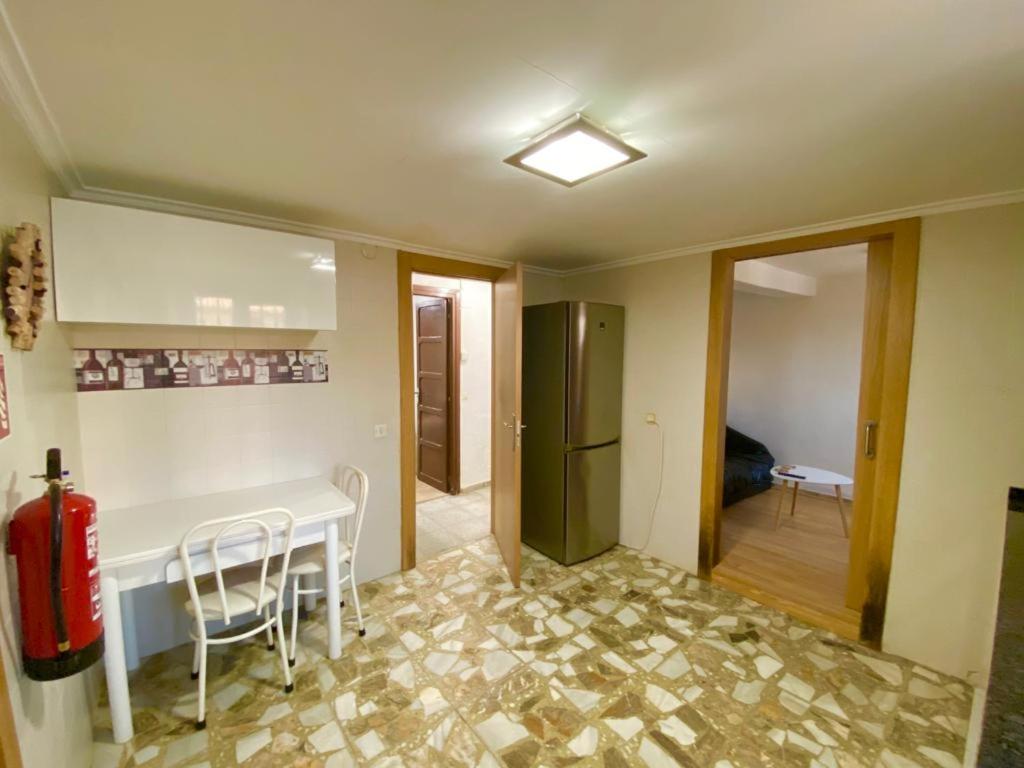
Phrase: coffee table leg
x=842 y=515
x=782 y=498
x=792 y=506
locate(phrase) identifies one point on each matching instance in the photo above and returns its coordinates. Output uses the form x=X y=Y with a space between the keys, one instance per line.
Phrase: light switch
x=380 y=430
x=651 y=418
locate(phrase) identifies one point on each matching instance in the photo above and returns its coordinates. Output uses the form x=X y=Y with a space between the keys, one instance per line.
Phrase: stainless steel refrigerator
x=572 y=417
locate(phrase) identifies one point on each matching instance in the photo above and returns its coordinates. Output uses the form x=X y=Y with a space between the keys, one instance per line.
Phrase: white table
x=139 y=546
x=797 y=473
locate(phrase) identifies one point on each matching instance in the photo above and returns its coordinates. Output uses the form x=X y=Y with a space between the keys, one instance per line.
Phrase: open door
x=869 y=415
x=433 y=387
x=506 y=437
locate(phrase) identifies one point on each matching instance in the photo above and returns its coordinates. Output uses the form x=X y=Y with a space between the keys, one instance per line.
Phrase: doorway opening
x=506 y=314
x=452 y=406
x=887 y=330
x=791 y=434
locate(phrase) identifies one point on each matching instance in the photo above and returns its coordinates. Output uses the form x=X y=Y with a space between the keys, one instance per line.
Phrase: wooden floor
x=800 y=568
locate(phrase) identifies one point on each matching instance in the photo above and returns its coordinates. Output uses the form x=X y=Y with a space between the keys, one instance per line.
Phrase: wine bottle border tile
x=102 y=370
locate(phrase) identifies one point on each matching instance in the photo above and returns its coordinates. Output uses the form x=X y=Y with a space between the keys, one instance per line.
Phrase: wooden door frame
x=905 y=237
x=454 y=353
x=408 y=263
x=10 y=750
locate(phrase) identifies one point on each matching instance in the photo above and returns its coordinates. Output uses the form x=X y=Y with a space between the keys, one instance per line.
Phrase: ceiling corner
x=18 y=87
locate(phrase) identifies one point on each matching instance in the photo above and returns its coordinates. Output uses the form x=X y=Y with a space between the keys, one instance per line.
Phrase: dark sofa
x=747 y=467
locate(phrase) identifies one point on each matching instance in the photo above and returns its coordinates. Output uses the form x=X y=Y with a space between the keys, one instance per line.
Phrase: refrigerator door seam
x=570 y=448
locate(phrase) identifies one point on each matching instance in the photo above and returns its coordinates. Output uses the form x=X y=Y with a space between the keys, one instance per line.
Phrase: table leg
x=842 y=515
x=131 y=639
x=782 y=498
x=333 y=589
x=792 y=506
x=114 y=660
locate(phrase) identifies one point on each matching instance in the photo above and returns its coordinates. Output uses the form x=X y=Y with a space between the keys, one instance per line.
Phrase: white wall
x=475 y=384
x=141 y=446
x=666 y=343
x=794 y=373
x=474 y=375
x=965 y=424
x=964 y=440
x=540 y=288
x=52 y=719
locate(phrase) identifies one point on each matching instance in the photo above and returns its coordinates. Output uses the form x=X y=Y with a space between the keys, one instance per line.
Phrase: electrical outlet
x=380 y=430
x=651 y=418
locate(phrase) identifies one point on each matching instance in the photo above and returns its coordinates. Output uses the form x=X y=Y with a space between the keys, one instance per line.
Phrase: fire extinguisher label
x=97 y=602
x=92 y=542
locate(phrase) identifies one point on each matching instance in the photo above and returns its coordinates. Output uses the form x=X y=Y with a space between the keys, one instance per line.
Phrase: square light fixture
x=574 y=151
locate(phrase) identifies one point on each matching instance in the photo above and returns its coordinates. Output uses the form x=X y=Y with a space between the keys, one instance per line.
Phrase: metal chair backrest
x=354 y=483
x=263 y=527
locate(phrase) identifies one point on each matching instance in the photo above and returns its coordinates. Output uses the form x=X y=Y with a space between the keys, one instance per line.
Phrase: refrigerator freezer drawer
x=591 y=501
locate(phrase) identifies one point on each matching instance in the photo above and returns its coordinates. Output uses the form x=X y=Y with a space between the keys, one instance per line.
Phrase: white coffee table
x=797 y=473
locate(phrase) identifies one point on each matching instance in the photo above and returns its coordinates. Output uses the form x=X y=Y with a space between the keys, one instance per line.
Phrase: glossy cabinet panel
x=123 y=265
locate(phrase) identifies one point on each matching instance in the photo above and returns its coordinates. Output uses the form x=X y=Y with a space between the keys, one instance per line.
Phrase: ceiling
x=392 y=119
x=826 y=262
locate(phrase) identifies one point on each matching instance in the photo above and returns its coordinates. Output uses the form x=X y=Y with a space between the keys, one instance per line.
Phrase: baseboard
x=474 y=486
x=973 y=745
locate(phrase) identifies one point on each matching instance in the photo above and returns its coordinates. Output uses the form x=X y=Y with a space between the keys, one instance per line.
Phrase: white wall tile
x=151 y=445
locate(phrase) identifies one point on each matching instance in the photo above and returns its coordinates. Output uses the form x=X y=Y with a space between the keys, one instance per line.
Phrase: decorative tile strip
x=106 y=369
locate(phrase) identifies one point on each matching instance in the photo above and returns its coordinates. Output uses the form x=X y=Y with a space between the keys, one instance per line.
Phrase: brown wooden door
x=432 y=323
x=869 y=415
x=506 y=436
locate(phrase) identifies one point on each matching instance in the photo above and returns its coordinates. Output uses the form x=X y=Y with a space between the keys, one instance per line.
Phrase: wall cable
x=661 y=477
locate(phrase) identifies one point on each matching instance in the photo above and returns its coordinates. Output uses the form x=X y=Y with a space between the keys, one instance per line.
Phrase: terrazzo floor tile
x=618 y=661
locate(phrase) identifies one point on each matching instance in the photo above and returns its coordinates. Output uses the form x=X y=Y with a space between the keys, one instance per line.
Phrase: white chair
x=240 y=592
x=309 y=561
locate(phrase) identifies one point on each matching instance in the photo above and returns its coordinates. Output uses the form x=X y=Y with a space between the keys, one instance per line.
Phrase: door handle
x=517 y=426
x=870 y=430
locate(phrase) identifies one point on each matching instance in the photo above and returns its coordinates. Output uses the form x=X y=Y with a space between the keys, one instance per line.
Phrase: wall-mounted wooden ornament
x=25 y=287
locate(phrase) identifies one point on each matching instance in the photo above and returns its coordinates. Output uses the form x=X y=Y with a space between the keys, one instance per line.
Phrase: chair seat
x=241 y=599
x=310 y=560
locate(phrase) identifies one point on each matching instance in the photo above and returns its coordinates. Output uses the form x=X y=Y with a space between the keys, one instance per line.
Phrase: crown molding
x=165 y=205
x=19 y=88
x=929 y=209
x=231 y=216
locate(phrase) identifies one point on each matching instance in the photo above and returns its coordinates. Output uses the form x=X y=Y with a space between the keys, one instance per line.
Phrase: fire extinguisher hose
x=56 y=560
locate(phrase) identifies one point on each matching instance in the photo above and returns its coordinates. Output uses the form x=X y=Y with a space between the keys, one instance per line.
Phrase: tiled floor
x=617 y=661
x=452 y=521
x=426 y=492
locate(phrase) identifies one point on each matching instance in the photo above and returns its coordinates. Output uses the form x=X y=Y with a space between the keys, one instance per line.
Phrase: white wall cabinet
x=123 y=265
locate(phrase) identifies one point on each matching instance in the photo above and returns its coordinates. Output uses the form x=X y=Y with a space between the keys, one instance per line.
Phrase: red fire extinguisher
x=54 y=539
